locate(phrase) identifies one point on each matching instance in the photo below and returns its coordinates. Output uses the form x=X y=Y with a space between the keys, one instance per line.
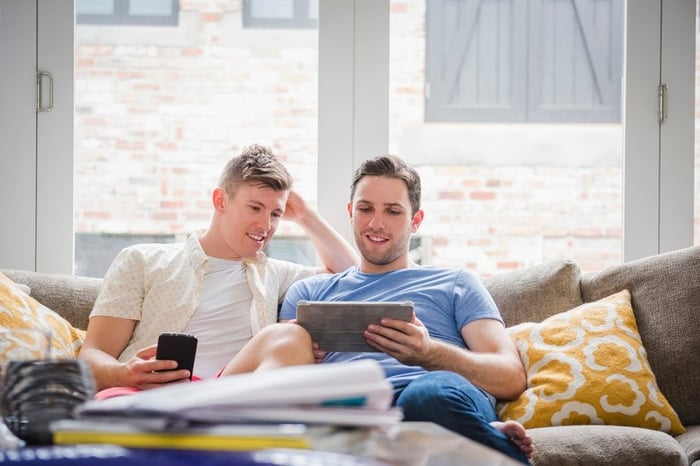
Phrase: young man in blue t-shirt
x=450 y=363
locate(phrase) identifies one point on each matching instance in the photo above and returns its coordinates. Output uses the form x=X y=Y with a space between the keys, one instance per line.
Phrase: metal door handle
x=39 y=102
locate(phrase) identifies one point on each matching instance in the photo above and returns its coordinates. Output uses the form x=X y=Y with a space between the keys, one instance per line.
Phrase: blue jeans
x=450 y=400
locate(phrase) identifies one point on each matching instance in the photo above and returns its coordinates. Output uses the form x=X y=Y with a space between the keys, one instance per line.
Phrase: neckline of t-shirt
x=218 y=263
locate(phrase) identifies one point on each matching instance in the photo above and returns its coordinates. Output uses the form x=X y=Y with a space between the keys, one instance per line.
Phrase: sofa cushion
x=19 y=310
x=666 y=300
x=69 y=295
x=603 y=446
x=537 y=292
x=588 y=366
x=690 y=441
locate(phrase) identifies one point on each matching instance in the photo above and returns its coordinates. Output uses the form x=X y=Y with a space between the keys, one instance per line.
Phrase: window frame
x=300 y=20
x=122 y=17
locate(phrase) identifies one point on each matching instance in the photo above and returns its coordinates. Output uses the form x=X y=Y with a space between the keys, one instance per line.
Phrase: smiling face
x=244 y=222
x=382 y=224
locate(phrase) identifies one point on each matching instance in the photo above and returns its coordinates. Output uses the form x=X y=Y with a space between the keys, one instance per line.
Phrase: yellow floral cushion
x=588 y=366
x=19 y=310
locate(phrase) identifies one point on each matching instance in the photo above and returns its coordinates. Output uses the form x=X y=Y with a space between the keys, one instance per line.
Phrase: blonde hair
x=256 y=165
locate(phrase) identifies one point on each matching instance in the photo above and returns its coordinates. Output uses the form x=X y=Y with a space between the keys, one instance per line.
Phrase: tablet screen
x=338 y=325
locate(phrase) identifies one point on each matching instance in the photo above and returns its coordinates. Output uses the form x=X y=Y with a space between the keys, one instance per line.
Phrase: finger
x=402 y=336
x=417 y=321
x=162 y=377
x=384 y=343
x=396 y=351
x=153 y=379
x=396 y=324
x=152 y=385
x=147 y=352
x=154 y=365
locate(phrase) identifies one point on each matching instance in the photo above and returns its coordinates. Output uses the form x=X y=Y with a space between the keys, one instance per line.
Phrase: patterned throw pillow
x=19 y=310
x=588 y=366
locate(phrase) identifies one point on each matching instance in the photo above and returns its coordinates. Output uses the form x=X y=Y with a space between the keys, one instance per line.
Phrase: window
x=94 y=252
x=284 y=14
x=135 y=12
x=155 y=123
x=524 y=60
x=500 y=194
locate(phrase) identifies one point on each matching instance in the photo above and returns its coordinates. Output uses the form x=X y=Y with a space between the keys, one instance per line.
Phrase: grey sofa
x=666 y=300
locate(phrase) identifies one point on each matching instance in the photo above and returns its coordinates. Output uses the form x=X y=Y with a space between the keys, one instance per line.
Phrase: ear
x=416 y=221
x=218 y=198
x=350 y=210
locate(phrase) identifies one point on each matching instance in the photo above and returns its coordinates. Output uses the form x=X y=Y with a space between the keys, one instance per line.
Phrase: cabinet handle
x=39 y=102
x=663 y=112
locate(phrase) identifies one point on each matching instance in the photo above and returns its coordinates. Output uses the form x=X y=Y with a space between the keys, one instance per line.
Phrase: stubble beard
x=370 y=255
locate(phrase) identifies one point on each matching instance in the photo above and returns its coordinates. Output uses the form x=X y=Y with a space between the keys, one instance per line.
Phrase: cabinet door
x=18 y=134
x=36 y=153
x=54 y=142
x=658 y=174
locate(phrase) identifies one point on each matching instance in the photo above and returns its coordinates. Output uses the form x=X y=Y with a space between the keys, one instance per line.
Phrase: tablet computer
x=338 y=325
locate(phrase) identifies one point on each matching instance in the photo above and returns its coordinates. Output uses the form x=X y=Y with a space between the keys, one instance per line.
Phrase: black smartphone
x=179 y=347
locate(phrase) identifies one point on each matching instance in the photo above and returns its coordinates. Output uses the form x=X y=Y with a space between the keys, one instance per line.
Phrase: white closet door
x=658 y=174
x=54 y=231
x=676 y=169
x=36 y=153
x=18 y=134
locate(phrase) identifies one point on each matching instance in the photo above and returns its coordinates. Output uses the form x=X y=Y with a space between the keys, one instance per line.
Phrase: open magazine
x=352 y=394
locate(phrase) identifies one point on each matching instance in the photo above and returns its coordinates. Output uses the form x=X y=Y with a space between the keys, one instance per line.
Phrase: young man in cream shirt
x=218 y=286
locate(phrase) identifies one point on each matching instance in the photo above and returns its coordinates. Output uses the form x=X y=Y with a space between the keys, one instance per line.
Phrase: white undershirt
x=221 y=322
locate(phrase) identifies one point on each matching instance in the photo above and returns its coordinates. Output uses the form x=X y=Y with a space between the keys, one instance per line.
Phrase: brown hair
x=255 y=165
x=391 y=166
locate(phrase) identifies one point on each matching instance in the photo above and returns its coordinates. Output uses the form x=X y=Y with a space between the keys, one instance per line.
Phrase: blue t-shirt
x=445 y=300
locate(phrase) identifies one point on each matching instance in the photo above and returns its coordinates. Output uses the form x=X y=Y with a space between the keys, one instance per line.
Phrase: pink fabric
x=111 y=392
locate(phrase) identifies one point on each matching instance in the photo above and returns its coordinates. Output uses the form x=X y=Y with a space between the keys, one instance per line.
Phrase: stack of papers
x=228 y=412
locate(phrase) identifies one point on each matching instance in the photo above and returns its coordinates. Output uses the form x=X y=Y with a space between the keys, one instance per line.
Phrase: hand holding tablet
x=338 y=325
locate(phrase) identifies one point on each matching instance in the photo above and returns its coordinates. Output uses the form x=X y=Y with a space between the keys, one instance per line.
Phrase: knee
x=436 y=391
x=284 y=335
x=430 y=388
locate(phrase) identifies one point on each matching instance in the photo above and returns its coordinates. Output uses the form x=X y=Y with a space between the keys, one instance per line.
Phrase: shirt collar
x=195 y=252
x=199 y=257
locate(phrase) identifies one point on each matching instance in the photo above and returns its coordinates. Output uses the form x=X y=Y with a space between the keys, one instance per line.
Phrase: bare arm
x=492 y=362
x=105 y=340
x=336 y=253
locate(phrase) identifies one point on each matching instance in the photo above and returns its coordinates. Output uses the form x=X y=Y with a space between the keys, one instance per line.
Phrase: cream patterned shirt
x=160 y=285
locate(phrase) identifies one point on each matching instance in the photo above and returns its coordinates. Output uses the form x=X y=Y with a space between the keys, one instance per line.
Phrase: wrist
x=307 y=219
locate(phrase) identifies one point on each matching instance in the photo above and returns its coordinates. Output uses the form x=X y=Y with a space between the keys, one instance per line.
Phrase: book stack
x=212 y=437
x=241 y=412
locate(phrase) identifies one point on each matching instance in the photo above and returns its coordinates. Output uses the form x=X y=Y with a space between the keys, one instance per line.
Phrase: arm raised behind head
x=336 y=253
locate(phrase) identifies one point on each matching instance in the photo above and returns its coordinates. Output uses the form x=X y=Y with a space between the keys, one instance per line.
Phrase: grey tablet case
x=338 y=325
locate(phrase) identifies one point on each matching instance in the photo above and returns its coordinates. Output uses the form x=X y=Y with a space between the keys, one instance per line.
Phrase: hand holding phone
x=178 y=347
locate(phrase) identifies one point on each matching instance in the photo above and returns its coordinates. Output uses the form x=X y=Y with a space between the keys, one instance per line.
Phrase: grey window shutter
x=523 y=60
x=576 y=60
